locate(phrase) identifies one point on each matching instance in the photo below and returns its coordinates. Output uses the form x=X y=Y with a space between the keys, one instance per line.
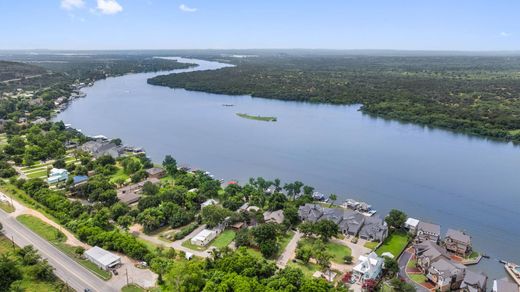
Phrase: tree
x=170 y=165
x=59 y=163
x=332 y=198
x=42 y=271
x=125 y=221
x=160 y=266
x=307 y=228
x=265 y=237
x=151 y=219
x=348 y=259
x=391 y=266
x=214 y=215
x=304 y=253
x=401 y=285
x=9 y=271
x=242 y=238
x=291 y=215
x=326 y=229
x=150 y=189
x=396 y=219
x=28 y=255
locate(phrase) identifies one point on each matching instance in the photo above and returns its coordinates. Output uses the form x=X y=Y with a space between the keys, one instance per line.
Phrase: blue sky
x=228 y=24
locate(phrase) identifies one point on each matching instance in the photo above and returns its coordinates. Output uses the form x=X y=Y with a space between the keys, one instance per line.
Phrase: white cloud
x=109 y=6
x=185 y=8
x=72 y=4
x=505 y=34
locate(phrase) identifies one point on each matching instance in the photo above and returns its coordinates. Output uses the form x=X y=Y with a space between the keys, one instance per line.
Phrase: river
x=455 y=180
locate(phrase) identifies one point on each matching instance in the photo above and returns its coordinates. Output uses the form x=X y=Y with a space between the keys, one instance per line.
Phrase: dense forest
x=477 y=95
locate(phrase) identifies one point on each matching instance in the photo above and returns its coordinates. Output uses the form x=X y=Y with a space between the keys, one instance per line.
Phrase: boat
x=361 y=207
x=228 y=104
x=514 y=271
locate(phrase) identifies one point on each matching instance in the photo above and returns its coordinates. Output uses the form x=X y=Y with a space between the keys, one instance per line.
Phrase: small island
x=257 y=118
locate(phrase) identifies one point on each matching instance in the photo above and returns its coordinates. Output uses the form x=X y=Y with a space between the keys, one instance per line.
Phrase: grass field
x=307 y=269
x=132 y=288
x=411 y=263
x=57 y=238
x=7 y=207
x=223 y=239
x=337 y=251
x=418 y=278
x=394 y=244
x=371 y=244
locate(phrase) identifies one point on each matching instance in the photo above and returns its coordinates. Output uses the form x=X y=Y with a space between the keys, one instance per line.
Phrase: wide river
x=455 y=180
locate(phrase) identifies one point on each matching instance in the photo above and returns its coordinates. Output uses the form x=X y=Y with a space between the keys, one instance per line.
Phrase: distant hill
x=16 y=70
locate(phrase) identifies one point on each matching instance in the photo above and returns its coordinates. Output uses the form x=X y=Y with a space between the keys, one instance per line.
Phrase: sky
x=463 y=25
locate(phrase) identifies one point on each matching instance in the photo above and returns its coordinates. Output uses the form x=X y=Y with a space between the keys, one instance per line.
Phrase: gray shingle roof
x=429 y=228
x=458 y=236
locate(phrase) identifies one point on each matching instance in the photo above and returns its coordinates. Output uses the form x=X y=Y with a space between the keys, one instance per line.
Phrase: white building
x=102 y=258
x=204 y=237
x=208 y=203
x=411 y=224
x=57 y=174
x=368 y=267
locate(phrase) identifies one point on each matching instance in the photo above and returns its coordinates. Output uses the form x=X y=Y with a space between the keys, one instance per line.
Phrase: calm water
x=455 y=180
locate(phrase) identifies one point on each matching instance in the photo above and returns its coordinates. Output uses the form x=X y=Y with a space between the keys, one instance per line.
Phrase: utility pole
x=12 y=240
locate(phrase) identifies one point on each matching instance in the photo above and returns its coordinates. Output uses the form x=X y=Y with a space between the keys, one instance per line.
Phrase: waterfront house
x=310 y=212
x=132 y=193
x=474 y=282
x=351 y=223
x=428 y=231
x=374 y=229
x=426 y=253
x=446 y=274
x=100 y=147
x=274 y=217
x=457 y=242
x=411 y=224
x=369 y=267
x=57 y=175
x=204 y=237
x=156 y=172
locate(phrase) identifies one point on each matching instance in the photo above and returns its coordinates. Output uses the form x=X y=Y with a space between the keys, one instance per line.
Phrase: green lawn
x=338 y=251
x=371 y=244
x=37 y=174
x=394 y=244
x=41 y=228
x=307 y=269
x=411 y=263
x=119 y=175
x=223 y=239
x=473 y=255
x=132 y=288
x=6 y=245
x=418 y=278
x=57 y=238
x=7 y=207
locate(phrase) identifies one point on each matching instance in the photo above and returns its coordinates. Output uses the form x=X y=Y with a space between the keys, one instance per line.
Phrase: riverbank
x=333 y=148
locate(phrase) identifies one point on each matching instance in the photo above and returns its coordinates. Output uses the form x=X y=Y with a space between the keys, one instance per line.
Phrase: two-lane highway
x=75 y=275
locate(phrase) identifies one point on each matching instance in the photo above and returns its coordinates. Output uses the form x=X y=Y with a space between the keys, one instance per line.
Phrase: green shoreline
x=257 y=118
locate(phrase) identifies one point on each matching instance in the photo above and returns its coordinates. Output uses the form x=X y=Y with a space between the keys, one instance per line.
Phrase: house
x=102 y=258
x=426 y=253
x=474 y=282
x=208 y=203
x=57 y=175
x=274 y=217
x=204 y=237
x=374 y=229
x=428 y=231
x=411 y=224
x=156 y=172
x=446 y=274
x=351 y=223
x=239 y=225
x=457 y=242
x=270 y=190
x=369 y=267
x=310 y=212
x=39 y=121
x=333 y=214
x=504 y=285
x=100 y=147
x=132 y=193
x=79 y=179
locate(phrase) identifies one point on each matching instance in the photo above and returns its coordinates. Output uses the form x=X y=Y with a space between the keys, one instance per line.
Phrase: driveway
x=403 y=262
x=289 y=251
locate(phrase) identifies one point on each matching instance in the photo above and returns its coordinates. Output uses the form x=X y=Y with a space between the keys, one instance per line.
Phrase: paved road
x=66 y=268
x=403 y=261
x=289 y=251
